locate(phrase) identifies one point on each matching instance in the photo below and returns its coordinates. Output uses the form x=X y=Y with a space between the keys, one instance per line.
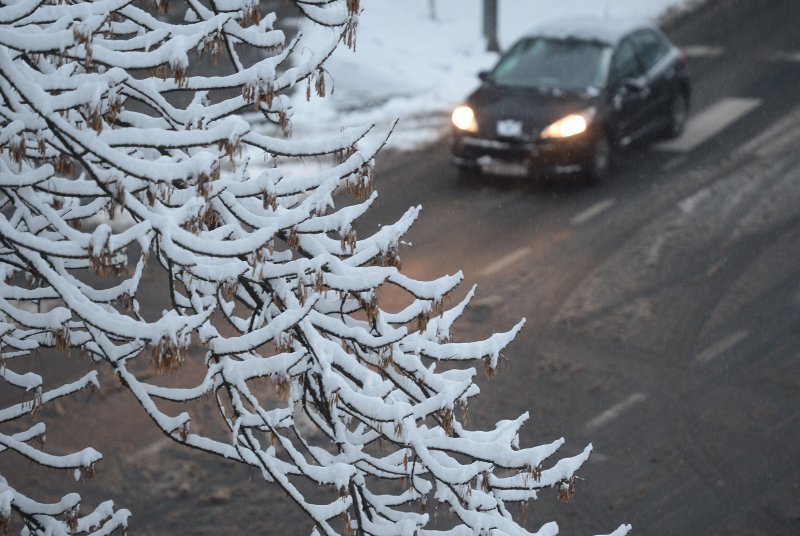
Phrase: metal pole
x=490 y=25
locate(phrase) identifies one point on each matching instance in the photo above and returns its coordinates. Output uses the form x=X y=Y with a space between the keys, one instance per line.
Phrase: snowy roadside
x=415 y=64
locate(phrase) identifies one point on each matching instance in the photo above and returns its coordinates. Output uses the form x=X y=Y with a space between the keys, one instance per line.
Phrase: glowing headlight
x=571 y=125
x=464 y=119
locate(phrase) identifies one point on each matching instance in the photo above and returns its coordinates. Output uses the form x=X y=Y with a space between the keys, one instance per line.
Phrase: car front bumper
x=521 y=157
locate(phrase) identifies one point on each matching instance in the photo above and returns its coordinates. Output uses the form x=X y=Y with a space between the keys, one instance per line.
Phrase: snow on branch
x=148 y=217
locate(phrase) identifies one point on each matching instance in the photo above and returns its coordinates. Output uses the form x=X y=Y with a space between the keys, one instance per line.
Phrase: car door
x=630 y=93
x=659 y=75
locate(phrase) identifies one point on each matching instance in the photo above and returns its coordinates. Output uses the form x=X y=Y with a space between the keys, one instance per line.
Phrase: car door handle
x=636 y=88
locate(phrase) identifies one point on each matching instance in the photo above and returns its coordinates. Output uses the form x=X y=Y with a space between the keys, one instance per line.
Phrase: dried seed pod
x=126 y=301
x=160 y=71
x=489 y=370
x=162 y=6
x=349 y=241
x=319 y=85
x=61 y=338
x=268 y=200
x=293 y=239
x=343 y=154
x=95 y=120
x=167 y=355
x=183 y=431
x=285 y=123
x=446 y=417
x=250 y=16
x=229 y=288
x=179 y=73
x=258 y=92
x=391 y=258
x=64 y=165
x=535 y=472
x=17 y=149
x=71 y=517
x=283 y=385
x=566 y=490
x=349 y=33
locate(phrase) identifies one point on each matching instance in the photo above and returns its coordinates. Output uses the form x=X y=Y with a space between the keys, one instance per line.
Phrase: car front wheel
x=599 y=163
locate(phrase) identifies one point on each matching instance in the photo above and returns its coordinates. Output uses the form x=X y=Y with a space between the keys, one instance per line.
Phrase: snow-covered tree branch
x=108 y=108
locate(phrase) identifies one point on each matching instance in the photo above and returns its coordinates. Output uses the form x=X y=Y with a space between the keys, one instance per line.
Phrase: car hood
x=535 y=109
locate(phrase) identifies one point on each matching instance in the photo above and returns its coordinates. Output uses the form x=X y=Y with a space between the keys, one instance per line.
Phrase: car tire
x=678 y=115
x=600 y=158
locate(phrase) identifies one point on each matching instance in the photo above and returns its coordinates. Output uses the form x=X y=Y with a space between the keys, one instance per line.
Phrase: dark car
x=570 y=93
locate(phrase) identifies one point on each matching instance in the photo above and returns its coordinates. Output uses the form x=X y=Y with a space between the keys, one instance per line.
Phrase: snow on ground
x=412 y=67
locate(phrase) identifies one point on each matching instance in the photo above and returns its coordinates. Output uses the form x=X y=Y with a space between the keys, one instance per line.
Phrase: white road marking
x=782 y=136
x=787 y=55
x=775 y=131
x=709 y=123
x=674 y=162
x=504 y=262
x=787 y=143
x=615 y=411
x=488 y=301
x=688 y=204
x=152 y=449
x=702 y=51
x=593 y=211
x=720 y=347
x=654 y=252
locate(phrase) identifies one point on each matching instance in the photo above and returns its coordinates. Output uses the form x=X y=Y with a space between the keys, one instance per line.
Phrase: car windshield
x=547 y=63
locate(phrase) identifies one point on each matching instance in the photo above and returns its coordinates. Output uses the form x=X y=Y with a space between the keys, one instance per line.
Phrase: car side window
x=626 y=64
x=651 y=47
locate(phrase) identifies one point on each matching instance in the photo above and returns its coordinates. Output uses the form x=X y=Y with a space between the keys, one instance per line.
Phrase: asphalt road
x=663 y=306
x=663 y=311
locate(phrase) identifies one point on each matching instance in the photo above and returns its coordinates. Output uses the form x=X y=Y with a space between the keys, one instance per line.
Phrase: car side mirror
x=483 y=76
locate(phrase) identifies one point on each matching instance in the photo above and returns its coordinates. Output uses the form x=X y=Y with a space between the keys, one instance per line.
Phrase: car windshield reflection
x=553 y=64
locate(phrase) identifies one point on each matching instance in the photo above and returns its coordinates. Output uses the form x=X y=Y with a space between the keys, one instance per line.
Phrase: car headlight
x=571 y=125
x=464 y=119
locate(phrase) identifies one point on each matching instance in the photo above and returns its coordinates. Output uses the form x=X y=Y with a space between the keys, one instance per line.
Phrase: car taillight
x=683 y=59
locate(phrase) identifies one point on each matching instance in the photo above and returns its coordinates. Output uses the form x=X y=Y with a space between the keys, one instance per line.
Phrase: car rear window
x=553 y=64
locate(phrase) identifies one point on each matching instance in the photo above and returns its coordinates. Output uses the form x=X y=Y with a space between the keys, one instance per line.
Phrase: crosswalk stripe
x=774 y=134
x=709 y=123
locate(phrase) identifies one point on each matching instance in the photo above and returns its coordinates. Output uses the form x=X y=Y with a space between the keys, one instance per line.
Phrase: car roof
x=608 y=30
